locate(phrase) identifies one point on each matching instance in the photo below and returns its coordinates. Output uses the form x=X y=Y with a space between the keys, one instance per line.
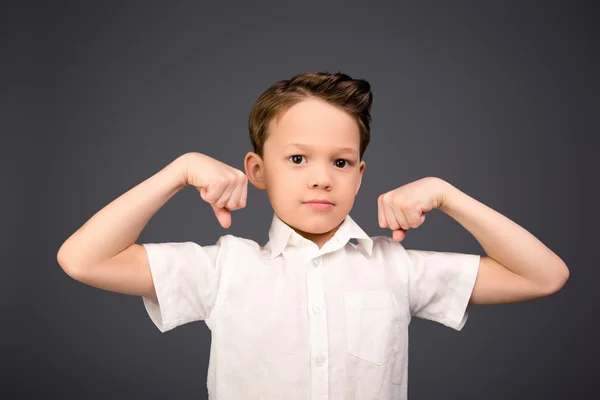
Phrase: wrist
x=447 y=194
x=176 y=171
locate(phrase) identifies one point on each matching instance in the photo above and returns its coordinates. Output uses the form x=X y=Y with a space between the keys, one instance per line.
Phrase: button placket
x=320 y=360
x=319 y=337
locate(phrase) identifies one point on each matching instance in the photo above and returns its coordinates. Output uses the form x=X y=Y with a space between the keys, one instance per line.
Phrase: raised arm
x=103 y=253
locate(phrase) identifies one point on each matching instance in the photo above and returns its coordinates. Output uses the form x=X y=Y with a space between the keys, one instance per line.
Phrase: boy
x=310 y=315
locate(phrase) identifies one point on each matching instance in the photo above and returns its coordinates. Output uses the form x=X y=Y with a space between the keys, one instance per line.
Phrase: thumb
x=399 y=235
x=223 y=215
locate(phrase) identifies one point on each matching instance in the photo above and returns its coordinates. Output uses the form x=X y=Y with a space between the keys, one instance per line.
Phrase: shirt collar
x=282 y=235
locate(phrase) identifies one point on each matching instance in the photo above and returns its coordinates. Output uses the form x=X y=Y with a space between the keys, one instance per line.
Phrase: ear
x=254 y=167
x=361 y=169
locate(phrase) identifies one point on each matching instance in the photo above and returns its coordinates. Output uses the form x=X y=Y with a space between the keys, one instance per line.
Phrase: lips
x=319 y=202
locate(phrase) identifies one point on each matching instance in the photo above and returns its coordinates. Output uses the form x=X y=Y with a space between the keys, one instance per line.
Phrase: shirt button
x=317 y=308
x=320 y=360
x=316 y=262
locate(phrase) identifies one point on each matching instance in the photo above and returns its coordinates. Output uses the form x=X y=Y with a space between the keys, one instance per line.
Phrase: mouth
x=318 y=201
x=319 y=204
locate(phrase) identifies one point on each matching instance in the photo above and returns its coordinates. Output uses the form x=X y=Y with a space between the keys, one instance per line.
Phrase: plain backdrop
x=498 y=98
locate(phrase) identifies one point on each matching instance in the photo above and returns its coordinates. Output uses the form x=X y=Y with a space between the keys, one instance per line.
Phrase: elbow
x=67 y=266
x=61 y=258
x=562 y=278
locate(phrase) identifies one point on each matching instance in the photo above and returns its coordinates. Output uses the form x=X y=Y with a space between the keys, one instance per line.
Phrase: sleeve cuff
x=459 y=311
x=161 y=285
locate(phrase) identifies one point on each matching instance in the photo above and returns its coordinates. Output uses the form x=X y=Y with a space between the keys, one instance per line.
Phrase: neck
x=318 y=238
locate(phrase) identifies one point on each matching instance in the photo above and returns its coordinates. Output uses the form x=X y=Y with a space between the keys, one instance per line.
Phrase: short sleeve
x=440 y=285
x=186 y=278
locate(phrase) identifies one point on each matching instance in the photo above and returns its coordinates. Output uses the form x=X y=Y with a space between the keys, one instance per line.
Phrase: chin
x=317 y=226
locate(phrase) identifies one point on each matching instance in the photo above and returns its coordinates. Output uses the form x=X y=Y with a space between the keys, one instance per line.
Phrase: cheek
x=282 y=178
x=286 y=187
x=281 y=185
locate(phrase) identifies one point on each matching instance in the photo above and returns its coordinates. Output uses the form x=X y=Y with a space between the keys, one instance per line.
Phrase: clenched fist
x=405 y=207
x=223 y=187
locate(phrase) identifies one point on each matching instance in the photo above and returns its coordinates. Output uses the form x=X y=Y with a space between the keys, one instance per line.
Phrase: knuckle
x=231 y=179
x=397 y=201
x=210 y=196
x=415 y=222
x=219 y=182
x=220 y=201
x=207 y=197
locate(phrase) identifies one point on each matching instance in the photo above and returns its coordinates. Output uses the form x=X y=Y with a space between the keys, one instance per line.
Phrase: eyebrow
x=339 y=149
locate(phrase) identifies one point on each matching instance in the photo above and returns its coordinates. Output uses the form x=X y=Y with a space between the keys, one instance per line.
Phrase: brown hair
x=351 y=95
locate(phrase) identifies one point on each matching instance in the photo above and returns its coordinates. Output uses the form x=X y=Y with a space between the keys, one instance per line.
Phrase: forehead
x=314 y=122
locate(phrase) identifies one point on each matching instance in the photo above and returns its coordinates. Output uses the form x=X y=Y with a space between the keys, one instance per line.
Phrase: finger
x=212 y=193
x=240 y=193
x=224 y=198
x=234 y=199
x=380 y=213
x=401 y=218
x=223 y=216
x=244 y=197
x=415 y=219
x=390 y=217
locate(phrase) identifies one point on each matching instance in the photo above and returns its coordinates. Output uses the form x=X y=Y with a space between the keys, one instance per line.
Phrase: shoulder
x=386 y=246
x=239 y=244
x=385 y=250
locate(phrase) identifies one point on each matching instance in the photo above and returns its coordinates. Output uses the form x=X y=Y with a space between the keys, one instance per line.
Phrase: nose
x=319 y=177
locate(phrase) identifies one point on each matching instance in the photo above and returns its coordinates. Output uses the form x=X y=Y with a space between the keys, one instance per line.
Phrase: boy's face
x=311 y=153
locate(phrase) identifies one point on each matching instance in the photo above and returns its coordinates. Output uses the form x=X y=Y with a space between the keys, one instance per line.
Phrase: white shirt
x=292 y=321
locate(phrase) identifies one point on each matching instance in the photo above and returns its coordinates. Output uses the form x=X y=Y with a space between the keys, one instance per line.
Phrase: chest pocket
x=374 y=325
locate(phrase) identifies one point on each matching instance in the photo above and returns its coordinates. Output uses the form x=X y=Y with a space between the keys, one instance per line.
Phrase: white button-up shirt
x=292 y=321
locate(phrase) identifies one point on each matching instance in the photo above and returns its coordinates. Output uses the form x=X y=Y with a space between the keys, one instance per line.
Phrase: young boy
x=312 y=314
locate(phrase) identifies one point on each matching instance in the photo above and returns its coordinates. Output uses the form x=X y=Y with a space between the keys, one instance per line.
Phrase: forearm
x=119 y=224
x=504 y=240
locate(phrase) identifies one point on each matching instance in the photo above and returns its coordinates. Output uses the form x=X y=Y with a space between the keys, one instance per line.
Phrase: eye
x=341 y=165
x=296 y=159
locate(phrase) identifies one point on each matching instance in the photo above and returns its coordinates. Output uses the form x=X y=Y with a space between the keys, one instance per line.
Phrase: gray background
x=498 y=98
